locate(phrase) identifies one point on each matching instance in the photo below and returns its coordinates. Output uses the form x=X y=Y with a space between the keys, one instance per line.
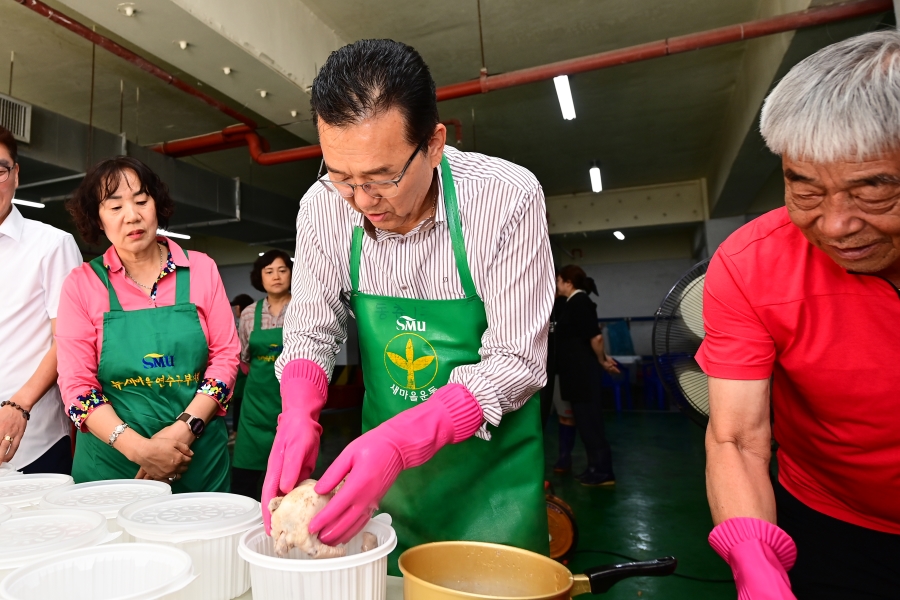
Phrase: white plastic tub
x=8 y=471
x=29 y=536
x=359 y=576
x=106 y=498
x=26 y=491
x=206 y=525
x=132 y=572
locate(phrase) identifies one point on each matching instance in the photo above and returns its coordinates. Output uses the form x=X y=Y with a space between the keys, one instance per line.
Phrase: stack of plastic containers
x=25 y=491
x=206 y=525
x=106 y=498
x=358 y=576
x=28 y=536
x=132 y=572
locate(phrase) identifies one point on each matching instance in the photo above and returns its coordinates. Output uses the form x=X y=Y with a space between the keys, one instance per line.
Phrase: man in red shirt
x=802 y=306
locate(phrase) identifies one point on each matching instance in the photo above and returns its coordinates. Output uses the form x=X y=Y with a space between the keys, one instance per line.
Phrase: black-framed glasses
x=375 y=189
x=5 y=171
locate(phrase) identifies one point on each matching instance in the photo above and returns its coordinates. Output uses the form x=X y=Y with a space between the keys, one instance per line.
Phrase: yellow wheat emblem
x=410 y=364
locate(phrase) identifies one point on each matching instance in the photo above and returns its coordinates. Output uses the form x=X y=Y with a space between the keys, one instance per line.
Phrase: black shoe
x=594 y=478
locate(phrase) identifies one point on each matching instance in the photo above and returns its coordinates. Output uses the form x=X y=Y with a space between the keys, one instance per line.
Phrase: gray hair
x=841 y=103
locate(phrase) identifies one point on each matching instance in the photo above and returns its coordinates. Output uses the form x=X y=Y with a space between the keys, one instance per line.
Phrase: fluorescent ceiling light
x=619 y=235
x=596 y=182
x=564 y=93
x=28 y=203
x=172 y=234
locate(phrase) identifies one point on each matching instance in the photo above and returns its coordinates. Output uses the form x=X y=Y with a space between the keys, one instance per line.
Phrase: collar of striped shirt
x=440 y=215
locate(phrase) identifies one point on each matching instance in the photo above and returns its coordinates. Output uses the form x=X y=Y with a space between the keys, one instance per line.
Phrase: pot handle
x=599 y=579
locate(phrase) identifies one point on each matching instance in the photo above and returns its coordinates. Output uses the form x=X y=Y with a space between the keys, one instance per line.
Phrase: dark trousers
x=589 y=423
x=837 y=560
x=547 y=398
x=247 y=482
x=58 y=459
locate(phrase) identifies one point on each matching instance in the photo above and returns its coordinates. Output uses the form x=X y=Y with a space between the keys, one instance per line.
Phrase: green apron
x=262 y=398
x=151 y=364
x=489 y=491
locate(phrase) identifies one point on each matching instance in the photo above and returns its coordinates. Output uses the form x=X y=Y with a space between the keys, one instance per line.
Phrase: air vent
x=15 y=115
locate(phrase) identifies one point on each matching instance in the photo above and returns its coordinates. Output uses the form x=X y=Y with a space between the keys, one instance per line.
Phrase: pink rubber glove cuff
x=372 y=462
x=759 y=553
x=304 y=389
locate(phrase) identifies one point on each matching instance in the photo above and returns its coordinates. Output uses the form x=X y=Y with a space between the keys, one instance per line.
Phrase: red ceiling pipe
x=641 y=52
x=456 y=124
x=128 y=55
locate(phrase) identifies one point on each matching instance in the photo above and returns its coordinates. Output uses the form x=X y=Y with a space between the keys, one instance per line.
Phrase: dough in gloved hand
x=291 y=516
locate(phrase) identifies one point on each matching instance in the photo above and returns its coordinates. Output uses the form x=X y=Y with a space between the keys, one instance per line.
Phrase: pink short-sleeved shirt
x=84 y=299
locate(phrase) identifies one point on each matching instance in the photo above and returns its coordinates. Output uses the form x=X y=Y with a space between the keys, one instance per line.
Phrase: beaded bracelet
x=24 y=412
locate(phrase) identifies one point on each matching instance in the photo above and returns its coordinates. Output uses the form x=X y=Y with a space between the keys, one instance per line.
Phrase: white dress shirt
x=504 y=223
x=34 y=261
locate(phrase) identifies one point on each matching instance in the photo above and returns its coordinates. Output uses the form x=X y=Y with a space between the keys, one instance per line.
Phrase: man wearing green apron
x=443 y=259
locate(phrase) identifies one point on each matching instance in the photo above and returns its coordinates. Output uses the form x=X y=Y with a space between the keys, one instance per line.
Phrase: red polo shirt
x=775 y=305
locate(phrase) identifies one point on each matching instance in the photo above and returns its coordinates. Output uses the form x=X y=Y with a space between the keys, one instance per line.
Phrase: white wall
x=635 y=289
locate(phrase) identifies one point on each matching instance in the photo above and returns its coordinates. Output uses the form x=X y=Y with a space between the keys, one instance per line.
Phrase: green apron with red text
x=488 y=491
x=262 y=398
x=151 y=363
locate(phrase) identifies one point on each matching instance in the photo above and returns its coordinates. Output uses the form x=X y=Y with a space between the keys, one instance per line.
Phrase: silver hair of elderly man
x=840 y=104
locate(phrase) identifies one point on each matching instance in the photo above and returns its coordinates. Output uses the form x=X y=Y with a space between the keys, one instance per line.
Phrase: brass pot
x=469 y=570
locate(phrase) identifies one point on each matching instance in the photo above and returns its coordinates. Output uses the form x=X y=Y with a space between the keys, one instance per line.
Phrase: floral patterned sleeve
x=83 y=406
x=218 y=391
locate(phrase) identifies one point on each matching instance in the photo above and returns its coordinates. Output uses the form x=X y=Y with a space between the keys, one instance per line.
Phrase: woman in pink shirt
x=148 y=350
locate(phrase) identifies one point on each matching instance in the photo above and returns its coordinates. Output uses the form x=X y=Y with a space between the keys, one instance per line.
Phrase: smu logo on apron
x=274 y=352
x=158 y=361
x=412 y=364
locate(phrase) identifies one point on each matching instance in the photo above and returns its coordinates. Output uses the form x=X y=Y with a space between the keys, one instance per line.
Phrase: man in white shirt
x=34 y=261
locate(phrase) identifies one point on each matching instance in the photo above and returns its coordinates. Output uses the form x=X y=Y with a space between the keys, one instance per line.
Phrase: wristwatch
x=195 y=423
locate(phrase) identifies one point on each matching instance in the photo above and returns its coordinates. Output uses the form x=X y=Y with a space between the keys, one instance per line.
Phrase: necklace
x=147 y=287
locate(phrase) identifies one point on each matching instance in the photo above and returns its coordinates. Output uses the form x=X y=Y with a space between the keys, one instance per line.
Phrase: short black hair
x=242 y=301
x=264 y=261
x=369 y=77
x=101 y=182
x=7 y=139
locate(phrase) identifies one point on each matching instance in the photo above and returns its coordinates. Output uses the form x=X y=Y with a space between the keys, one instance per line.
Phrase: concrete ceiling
x=656 y=122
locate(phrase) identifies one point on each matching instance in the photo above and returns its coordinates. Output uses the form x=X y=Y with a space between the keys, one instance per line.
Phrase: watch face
x=197 y=426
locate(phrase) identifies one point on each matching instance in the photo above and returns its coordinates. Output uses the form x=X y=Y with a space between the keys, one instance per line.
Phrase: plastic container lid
x=105 y=497
x=183 y=517
x=27 y=490
x=30 y=535
x=6 y=470
x=119 y=572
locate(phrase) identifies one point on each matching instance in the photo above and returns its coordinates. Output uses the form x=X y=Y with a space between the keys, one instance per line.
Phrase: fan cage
x=677 y=335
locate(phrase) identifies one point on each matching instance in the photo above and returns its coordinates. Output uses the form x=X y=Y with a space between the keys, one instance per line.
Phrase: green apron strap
x=257 y=320
x=355 y=251
x=456 y=235
x=183 y=284
x=100 y=269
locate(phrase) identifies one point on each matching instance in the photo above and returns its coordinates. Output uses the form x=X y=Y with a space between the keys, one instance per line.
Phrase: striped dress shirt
x=504 y=223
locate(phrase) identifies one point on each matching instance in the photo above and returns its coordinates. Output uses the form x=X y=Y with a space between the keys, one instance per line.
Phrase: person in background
x=34 y=261
x=238 y=304
x=261 y=343
x=579 y=344
x=148 y=352
x=801 y=308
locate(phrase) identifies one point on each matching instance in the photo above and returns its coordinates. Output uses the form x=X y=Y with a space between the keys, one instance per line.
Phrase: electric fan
x=677 y=334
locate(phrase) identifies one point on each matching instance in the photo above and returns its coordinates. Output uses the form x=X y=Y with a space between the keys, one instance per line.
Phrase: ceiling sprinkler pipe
x=674 y=45
x=126 y=54
x=456 y=124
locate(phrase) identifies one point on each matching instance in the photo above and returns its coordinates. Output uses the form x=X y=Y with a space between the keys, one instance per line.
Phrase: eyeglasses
x=4 y=172
x=375 y=189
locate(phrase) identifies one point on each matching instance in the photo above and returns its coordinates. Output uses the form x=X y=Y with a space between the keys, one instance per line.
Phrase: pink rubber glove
x=760 y=555
x=372 y=461
x=304 y=390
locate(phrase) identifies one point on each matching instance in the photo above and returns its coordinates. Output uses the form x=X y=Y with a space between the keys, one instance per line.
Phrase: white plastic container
x=106 y=498
x=29 y=536
x=132 y=572
x=26 y=491
x=206 y=525
x=359 y=576
x=7 y=471
x=5 y=512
